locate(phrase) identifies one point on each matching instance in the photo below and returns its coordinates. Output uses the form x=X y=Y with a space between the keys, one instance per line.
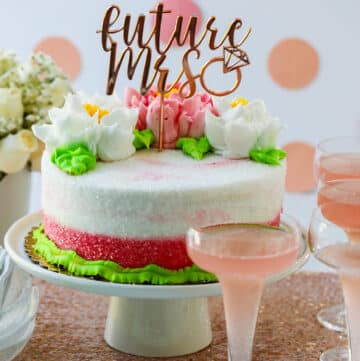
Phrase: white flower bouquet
x=27 y=92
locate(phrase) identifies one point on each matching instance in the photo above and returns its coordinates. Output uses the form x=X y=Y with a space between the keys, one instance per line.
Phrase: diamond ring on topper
x=140 y=48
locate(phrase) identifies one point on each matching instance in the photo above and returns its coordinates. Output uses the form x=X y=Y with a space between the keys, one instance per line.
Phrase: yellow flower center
x=92 y=109
x=168 y=93
x=239 y=101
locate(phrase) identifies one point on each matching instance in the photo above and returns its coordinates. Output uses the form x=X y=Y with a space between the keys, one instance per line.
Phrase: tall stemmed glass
x=244 y=256
x=328 y=237
x=340 y=200
x=336 y=159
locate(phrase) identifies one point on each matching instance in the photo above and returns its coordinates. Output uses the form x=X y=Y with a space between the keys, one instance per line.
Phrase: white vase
x=14 y=199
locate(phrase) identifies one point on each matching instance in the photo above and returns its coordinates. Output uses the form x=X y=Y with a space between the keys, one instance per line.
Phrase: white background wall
x=328 y=107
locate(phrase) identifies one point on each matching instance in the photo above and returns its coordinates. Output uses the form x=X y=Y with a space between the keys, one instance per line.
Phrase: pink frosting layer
x=130 y=253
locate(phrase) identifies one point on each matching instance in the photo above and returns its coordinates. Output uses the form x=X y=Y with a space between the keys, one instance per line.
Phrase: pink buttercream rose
x=182 y=117
x=171 y=121
x=133 y=99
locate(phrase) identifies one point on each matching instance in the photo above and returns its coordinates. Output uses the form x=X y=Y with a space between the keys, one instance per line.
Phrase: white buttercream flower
x=15 y=151
x=109 y=103
x=117 y=137
x=101 y=123
x=241 y=127
x=70 y=124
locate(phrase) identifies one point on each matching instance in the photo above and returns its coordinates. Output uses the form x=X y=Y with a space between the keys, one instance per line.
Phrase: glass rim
x=318 y=215
x=303 y=249
x=320 y=237
x=296 y=228
x=331 y=182
x=260 y=225
x=321 y=145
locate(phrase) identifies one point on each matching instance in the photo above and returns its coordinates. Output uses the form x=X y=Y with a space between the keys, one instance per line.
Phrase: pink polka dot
x=65 y=54
x=300 y=170
x=293 y=63
x=185 y=8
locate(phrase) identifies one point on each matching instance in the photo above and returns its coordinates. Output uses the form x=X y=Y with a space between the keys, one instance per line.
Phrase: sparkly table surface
x=70 y=324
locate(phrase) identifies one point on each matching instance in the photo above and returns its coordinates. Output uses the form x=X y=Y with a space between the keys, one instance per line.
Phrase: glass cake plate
x=141 y=318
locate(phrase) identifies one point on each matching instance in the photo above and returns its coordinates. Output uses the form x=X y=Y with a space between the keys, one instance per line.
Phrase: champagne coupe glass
x=335 y=159
x=243 y=257
x=330 y=243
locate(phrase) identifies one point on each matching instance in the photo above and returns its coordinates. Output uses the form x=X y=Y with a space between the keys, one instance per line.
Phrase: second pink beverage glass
x=337 y=167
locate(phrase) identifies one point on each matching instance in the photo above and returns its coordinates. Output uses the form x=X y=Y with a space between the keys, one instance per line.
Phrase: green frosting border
x=111 y=271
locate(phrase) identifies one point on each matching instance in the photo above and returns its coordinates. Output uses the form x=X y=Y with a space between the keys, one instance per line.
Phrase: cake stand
x=143 y=320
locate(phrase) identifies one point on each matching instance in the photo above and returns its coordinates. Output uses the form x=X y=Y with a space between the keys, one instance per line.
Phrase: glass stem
x=241 y=296
x=351 y=289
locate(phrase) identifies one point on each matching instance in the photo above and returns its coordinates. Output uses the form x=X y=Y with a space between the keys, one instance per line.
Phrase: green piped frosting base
x=111 y=271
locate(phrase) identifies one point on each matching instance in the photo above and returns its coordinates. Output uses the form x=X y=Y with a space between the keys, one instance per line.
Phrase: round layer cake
x=135 y=212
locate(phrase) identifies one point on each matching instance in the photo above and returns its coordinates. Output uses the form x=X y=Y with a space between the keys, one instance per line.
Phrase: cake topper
x=233 y=58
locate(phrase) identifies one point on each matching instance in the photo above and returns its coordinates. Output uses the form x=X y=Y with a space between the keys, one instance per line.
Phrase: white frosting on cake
x=157 y=195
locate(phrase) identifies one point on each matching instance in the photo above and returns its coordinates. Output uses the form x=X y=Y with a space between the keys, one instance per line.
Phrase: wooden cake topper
x=154 y=72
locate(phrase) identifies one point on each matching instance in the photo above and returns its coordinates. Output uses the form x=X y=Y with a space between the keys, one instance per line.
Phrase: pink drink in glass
x=342 y=200
x=338 y=166
x=242 y=257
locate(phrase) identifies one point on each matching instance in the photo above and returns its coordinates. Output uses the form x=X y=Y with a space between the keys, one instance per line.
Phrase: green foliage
x=270 y=156
x=143 y=139
x=75 y=159
x=195 y=148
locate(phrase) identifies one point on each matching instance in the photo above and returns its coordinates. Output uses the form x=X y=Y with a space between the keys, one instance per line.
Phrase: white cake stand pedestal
x=143 y=320
x=158 y=328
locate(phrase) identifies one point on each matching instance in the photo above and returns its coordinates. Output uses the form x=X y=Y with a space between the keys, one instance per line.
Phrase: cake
x=120 y=210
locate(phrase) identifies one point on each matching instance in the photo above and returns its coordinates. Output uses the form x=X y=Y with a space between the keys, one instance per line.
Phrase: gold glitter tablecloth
x=70 y=324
